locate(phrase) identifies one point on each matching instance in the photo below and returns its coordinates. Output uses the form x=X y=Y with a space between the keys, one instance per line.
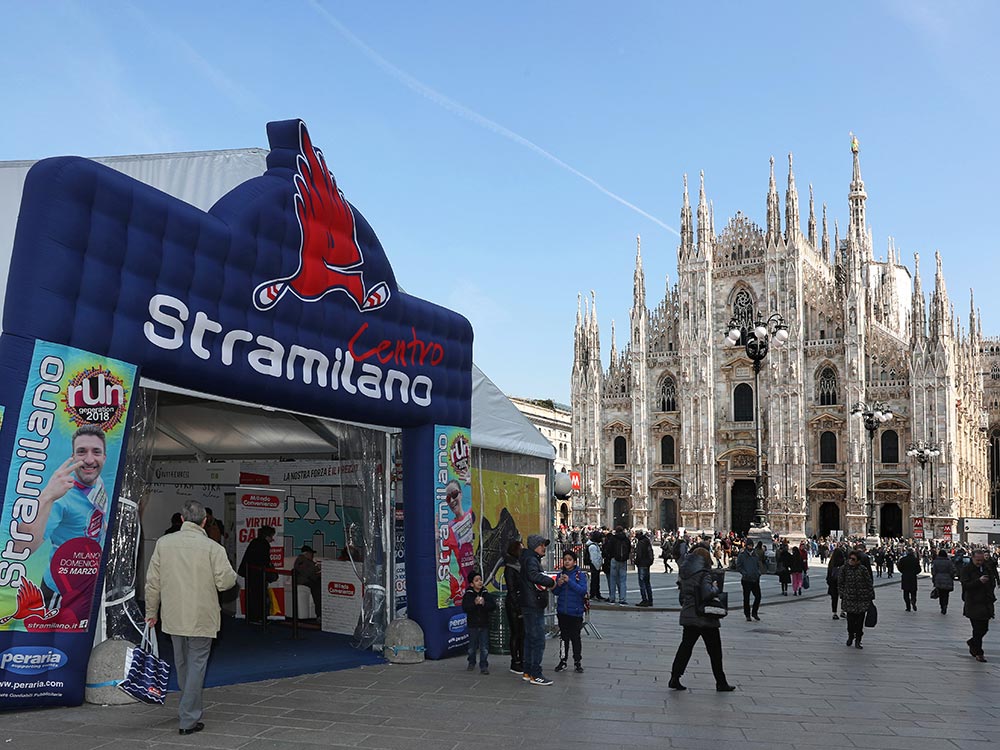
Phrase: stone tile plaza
x=913 y=686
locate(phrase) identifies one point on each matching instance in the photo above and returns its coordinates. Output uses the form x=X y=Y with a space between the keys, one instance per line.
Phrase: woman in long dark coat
x=837 y=560
x=943 y=577
x=783 y=562
x=909 y=568
x=857 y=592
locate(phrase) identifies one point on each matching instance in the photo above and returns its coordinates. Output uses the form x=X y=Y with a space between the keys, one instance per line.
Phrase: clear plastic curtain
x=124 y=618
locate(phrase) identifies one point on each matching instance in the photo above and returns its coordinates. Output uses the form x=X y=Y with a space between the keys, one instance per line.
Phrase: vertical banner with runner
x=255 y=509
x=454 y=519
x=57 y=508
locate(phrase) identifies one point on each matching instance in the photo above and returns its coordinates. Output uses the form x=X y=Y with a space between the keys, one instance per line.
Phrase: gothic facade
x=665 y=435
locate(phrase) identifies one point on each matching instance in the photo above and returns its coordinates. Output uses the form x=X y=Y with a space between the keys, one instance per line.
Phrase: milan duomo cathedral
x=665 y=436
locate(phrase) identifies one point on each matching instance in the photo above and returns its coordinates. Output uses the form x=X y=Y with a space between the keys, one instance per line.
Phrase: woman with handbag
x=696 y=590
x=857 y=592
x=783 y=562
x=943 y=578
x=797 y=569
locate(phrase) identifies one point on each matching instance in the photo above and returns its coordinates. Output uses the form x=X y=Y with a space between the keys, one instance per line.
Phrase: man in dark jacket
x=643 y=562
x=909 y=569
x=979 y=595
x=619 y=549
x=748 y=566
x=535 y=587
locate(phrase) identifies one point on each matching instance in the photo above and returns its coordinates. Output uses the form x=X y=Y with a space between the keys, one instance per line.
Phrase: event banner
x=454 y=519
x=342 y=595
x=508 y=504
x=60 y=488
x=255 y=509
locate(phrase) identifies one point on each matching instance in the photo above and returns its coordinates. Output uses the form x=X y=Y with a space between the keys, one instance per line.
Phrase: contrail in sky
x=462 y=111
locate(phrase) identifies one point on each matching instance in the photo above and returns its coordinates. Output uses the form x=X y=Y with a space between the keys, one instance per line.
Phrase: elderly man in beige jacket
x=185 y=575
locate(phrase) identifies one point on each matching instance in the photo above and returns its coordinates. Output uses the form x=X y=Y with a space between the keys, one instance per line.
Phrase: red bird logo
x=329 y=257
x=30 y=603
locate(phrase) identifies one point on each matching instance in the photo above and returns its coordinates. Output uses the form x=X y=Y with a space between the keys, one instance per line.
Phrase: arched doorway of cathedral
x=623 y=513
x=891 y=521
x=564 y=514
x=742 y=504
x=829 y=518
x=668 y=514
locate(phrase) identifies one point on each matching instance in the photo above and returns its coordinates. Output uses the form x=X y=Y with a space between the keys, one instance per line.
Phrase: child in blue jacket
x=571 y=595
x=478 y=603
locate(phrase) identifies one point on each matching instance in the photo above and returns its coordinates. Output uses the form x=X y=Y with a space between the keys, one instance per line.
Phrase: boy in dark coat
x=478 y=603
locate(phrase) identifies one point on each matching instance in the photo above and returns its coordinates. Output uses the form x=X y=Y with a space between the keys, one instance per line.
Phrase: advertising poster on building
x=61 y=488
x=918 y=528
x=254 y=510
x=946 y=532
x=454 y=519
x=509 y=507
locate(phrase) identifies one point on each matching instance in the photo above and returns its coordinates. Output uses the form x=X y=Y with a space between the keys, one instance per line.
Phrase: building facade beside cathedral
x=664 y=436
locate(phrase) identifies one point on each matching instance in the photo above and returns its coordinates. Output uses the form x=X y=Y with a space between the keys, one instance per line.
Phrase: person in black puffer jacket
x=512 y=603
x=643 y=562
x=534 y=598
x=696 y=584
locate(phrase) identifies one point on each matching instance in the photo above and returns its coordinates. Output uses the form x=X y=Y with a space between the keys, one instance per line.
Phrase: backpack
x=586 y=554
x=676 y=552
x=593 y=551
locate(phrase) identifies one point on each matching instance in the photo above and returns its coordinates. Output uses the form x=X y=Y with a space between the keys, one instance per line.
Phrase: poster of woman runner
x=454 y=519
x=60 y=487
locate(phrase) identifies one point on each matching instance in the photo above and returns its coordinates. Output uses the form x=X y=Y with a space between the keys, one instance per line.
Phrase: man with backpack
x=593 y=559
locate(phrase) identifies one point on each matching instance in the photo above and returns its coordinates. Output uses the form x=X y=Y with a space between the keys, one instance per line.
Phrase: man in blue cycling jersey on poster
x=76 y=500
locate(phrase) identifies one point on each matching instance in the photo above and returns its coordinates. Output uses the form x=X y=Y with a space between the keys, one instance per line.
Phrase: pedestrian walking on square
x=643 y=563
x=837 y=560
x=909 y=569
x=696 y=586
x=978 y=591
x=666 y=550
x=783 y=560
x=512 y=605
x=857 y=592
x=571 y=594
x=478 y=603
x=619 y=548
x=535 y=587
x=595 y=561
x=797 y=567
x=748 y=566
x=943 y=577
x=185 y=575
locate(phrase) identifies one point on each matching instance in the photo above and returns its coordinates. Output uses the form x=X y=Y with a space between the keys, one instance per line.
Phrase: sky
x=508 y=155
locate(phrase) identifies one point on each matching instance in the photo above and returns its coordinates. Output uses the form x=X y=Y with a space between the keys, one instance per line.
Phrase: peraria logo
x=260 y=501
x=29 y=660
x=457 y=623
x=96 y=396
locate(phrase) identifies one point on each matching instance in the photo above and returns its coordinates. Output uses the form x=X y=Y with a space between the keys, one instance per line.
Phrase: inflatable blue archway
x=280 y=295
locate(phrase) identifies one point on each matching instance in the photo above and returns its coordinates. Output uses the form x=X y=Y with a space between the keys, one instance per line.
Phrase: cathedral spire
x=826 y=237
x=812 y=219
x=972 y=314
x=792 y=226
x=687 y=228
x=857 y=230
x=703 y=239
x=917 y=304
x=940 y=318
x=639 y=278
x=773 y=215
x=614 y=344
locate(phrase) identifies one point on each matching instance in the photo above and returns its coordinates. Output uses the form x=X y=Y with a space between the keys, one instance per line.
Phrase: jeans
x=569 y=636
x=534 y=641
x=618 y=581
x=191 y=660
x=979 y=629
x=713 y=644
x=479 y=640
x=645 y=588
x=751 y=587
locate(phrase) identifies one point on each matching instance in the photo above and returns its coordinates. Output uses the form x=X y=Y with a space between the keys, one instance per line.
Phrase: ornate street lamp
x=925 y=453
x=757 y=341
x=873 y=417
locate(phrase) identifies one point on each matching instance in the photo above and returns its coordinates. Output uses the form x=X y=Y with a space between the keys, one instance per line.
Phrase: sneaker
x=835 y=617
x=516 y=670
x=526 y=677
x=484 y=671
x=540 y=681
x=756 y=619
x=622 y=604
x=561 y=667
x=470 y=667
x=578 y=669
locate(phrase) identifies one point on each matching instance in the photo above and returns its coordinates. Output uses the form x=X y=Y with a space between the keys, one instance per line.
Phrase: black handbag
x=871 y=616
x=935 y=593
x=716 y=605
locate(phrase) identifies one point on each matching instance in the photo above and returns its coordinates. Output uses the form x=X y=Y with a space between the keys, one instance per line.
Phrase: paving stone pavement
x=913 y=686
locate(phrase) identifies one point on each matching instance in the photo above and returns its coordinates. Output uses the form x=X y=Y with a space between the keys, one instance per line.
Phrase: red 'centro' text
x=415 y=349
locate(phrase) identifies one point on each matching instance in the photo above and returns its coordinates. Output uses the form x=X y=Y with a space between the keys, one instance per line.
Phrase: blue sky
x=507 y=155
